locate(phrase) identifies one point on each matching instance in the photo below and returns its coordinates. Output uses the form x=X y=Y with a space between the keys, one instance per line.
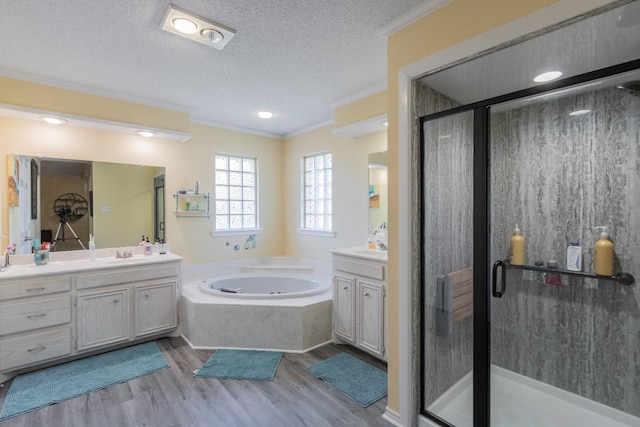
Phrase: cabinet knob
x=345 y=288
x=367 y=294
x=146 y=296
x=115 y=301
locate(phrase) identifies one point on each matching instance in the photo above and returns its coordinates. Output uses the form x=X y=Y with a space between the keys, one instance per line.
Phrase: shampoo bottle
x=603 y=254
x=574 y=257
x=517 y=247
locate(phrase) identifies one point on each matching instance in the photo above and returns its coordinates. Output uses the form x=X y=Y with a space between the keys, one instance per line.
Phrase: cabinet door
x=344 y=307
x=371 y=317
x=155 y=308
x=102 y=318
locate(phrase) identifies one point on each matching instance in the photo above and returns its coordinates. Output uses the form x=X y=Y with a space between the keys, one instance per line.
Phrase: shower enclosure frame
x=481 y=241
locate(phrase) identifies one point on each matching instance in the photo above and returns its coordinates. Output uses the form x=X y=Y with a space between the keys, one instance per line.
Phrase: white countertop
x=363 y=252
x=78 y=261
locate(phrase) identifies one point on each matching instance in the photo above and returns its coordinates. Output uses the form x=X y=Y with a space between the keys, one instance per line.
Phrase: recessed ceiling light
x=213 y=36
x=53 y=120
x=197 y=28
x=184 y=25
x=265 y=114
x=145 y=133
x=547 y=77
x=579 y=112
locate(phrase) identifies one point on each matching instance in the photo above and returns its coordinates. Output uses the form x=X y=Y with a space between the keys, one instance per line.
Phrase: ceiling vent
x=197 y=28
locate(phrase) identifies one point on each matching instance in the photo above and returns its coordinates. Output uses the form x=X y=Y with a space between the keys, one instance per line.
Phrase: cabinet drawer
x=31 y=349
x=372 y=270
x=126 y=275
x=34 y=313
x=43 y=286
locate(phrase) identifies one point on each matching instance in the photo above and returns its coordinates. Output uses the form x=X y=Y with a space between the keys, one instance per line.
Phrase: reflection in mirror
x=65 y=201
x=378 y=198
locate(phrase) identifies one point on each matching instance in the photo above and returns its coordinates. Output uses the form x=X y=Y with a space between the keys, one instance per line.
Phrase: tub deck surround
x=73 y=307
x=292 y=324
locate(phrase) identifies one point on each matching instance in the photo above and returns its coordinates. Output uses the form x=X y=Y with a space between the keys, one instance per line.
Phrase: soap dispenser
x=517 y=247
x=603 y=254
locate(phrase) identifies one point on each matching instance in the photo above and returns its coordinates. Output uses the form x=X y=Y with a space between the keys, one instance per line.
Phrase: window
x=236 y=204
x=317 y=192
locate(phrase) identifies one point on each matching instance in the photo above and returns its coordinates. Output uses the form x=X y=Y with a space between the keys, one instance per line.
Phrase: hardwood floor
x=174 y=397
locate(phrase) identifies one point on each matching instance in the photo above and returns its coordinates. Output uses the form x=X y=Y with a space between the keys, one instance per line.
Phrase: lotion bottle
x=574 y=257
x=517 y=247
x=603 y=254
x=92 y=247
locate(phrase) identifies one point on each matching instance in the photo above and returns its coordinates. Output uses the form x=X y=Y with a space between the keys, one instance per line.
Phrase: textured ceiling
x=295 y=58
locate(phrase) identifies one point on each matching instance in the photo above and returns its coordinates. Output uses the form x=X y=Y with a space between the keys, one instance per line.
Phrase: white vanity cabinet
x=155 y=307
x=48 y=316
x=124 y=304
x=102 y=318
x=35 y=321
x=359 y=284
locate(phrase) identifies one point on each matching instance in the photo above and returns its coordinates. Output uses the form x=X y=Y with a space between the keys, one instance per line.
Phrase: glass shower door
x=564 y=347
x=447 y=157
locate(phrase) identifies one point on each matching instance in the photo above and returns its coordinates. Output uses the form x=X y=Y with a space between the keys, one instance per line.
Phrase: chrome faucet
x=124 y=254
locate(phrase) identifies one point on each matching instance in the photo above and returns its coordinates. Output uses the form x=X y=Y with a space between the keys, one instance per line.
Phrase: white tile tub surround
x=521 y=401
x=295 y=324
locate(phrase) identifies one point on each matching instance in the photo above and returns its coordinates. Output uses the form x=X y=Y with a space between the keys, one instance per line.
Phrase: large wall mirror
x=64 y=201
x=378 y=197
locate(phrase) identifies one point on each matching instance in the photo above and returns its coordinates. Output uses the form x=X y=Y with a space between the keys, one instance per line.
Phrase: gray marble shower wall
x=557 y=176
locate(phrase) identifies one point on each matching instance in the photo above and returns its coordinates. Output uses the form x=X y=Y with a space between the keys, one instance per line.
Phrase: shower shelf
x=626 y=279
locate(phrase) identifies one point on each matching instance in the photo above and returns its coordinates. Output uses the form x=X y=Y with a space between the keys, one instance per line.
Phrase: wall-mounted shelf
x=625 y=279
x=192 y=205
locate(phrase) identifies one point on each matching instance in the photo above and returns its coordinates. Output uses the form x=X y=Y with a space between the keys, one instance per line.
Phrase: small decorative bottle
x=553 y=278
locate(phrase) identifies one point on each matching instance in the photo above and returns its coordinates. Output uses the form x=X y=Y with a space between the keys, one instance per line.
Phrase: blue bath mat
x=351 y=376
x=44 y=387
x=241 y=365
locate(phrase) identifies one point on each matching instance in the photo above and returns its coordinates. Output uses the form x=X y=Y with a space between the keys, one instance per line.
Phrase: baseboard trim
x=392 y=417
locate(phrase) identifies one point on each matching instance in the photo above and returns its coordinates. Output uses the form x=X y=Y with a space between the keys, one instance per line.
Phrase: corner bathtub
x=262 y=286
x=251 y=314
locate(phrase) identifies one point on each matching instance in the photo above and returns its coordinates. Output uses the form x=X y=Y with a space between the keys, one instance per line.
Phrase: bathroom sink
x=127 y=260
x=373 y=253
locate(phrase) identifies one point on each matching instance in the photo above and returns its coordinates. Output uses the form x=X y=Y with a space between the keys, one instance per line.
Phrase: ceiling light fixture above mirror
x=53 y=120
x=146 y=133
x=196 y=28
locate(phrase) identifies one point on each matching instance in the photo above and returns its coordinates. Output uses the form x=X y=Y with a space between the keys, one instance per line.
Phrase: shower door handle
x=494 y=279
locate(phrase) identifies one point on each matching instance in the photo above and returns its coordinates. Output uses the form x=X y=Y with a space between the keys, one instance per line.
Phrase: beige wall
x=350 y=184
x=184 y=162
x=452 y=32
x=123 y=197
